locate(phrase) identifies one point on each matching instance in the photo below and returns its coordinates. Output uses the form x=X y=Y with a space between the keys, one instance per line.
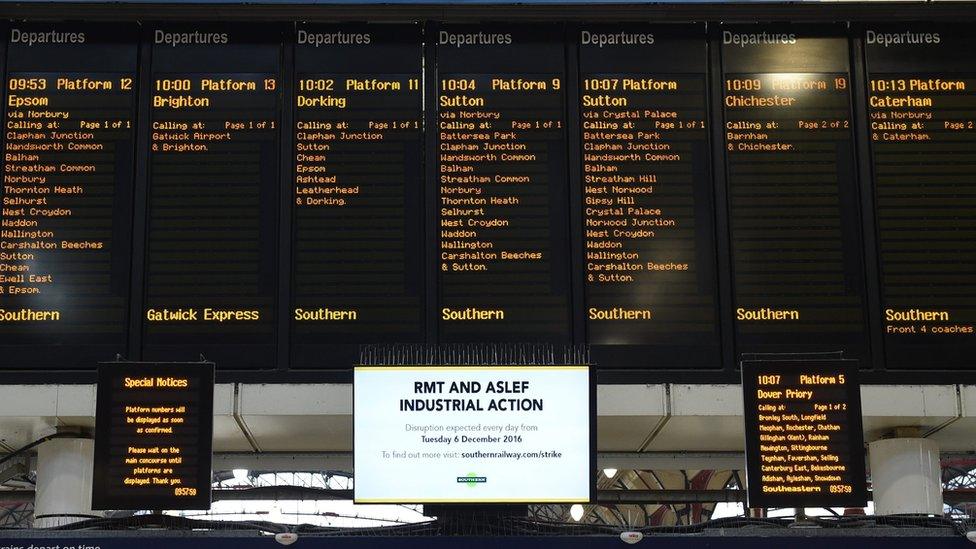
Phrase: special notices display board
x=474 y=434
x=922 y=108
x=153 y=436
x=804 y=440
x=211 y=266
x=797 y=255
x=503 y=270
x=358 y=269
x=648 y=200
x=65 y=226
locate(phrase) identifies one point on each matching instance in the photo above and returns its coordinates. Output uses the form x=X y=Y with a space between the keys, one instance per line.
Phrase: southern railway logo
x=472 y=480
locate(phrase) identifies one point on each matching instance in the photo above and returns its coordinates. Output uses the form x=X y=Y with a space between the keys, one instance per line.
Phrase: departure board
x=804 y=439
x=211 y=269
x=153 y=436
x=358 y=258
x=794 y=205
x=441 y=183
x=67 y=194
x=501 y=184
x=922 y=109
x=648 y=206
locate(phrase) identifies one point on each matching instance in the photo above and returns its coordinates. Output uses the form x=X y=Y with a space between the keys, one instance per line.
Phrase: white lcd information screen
x=473 y=434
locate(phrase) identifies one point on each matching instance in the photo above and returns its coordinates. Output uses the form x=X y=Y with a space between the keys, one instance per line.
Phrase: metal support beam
x=281 y=492
x=459 y=12
x=607 y=497
x=672 y=461
x=623 y=497
x=16 y=495
x=13 y=471
x=342 y=461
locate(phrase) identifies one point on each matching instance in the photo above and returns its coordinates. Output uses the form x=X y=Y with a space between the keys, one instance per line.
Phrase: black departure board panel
x=358 y=258
x=502 y=249
x=791 y=174
x=922 y=109
x=648 y=206
x=211 y=269
x=67 y=194
x=153 y=436
x=804 y=439
x=673 y=196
